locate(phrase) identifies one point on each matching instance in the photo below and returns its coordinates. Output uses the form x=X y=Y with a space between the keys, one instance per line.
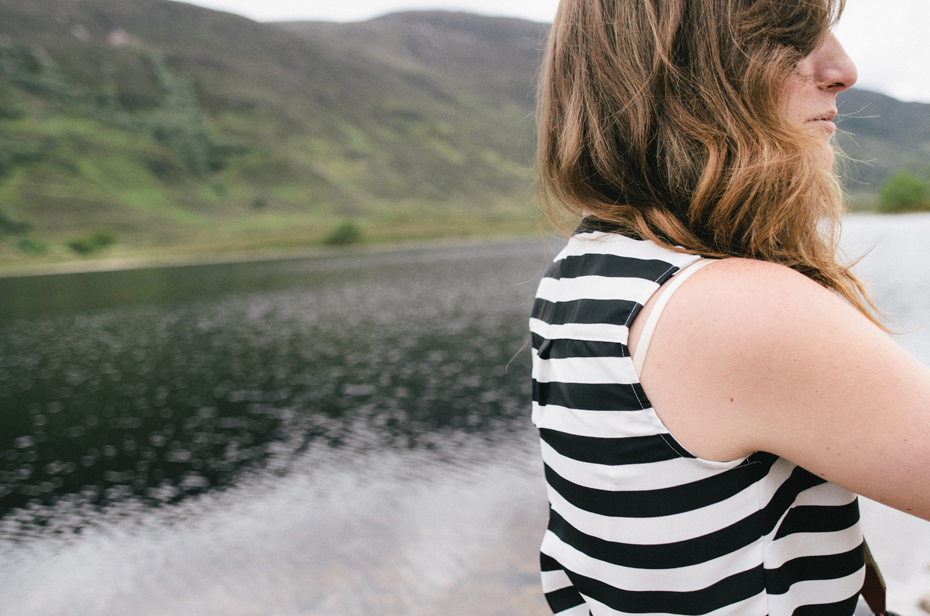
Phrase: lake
x=344 y=434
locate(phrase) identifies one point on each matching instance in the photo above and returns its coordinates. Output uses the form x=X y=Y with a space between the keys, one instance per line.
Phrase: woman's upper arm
x=751 y=356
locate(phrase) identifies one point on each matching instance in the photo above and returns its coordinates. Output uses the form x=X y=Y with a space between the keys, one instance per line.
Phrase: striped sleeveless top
x=637 y=524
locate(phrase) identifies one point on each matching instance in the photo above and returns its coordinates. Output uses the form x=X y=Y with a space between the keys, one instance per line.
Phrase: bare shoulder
x=755 y=306
x=754 y=318
x=751 y=356
x=748 y=288
x=743 y=307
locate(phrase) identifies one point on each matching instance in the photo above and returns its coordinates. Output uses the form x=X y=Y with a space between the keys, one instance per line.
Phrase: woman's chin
x=826 y=156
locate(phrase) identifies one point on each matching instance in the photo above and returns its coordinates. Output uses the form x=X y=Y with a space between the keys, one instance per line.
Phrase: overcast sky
x=887 y=38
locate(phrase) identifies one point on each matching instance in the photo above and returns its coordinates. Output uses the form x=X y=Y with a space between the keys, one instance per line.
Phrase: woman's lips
x=825 y=121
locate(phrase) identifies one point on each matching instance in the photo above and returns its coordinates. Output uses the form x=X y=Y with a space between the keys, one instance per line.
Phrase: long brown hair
x=663 y=117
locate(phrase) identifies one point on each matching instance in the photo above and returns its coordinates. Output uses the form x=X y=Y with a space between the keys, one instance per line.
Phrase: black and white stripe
x=637 y=524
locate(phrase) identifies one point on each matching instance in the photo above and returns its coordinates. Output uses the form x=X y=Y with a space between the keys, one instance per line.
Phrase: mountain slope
x=174 y=127
x=880 y=135
x=292 y=132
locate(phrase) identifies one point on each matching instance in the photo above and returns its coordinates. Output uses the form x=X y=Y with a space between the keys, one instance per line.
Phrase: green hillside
x=176 y=128
x=151 y=127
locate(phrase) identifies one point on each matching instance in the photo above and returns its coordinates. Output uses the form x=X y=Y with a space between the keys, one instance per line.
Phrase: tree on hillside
x=904 y=192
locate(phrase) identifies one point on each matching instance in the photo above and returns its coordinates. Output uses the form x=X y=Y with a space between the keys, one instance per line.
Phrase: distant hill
x=167 y=126
x=170 y=125
x=883 y=134
x=441 y=103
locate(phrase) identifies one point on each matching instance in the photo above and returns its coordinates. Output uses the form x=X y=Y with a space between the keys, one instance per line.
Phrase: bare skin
x=753 y=356
x=809 y=98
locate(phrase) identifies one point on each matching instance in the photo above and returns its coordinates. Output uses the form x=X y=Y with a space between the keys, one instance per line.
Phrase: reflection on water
x=339 y=435
x=383 y=533
x=156 y=402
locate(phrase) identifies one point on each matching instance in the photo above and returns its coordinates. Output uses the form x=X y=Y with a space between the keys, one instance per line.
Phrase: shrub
x=82 y=246
x=102 y=238
x=10 y=111
x=6 y=164
x=96 y=240
x=904 y=192
x=9 y=226
x=164 y=166
x=347 y=232
x=32 y=246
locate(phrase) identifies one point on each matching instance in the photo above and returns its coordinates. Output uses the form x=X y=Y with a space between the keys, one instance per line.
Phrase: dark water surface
x=159 y=401
x=336 y=435
x=325 y=403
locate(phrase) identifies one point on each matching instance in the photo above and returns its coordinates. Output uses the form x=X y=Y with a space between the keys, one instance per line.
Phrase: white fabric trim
x=665 y=294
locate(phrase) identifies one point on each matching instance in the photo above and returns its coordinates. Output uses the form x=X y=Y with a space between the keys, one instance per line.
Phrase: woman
x=718 y=473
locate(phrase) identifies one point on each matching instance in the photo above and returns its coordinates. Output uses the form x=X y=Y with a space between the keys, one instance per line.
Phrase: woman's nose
x=835 y=70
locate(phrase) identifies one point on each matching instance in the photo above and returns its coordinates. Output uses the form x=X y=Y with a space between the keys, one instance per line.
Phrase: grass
x=255 y=233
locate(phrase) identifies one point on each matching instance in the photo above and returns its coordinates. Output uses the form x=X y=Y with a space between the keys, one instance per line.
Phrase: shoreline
x=194 y=258
x=112 y=264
